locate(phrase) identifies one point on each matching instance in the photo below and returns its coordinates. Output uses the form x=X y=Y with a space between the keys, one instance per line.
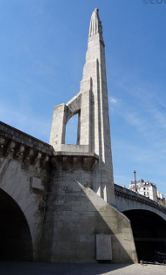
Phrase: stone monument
x=86 y=225
x=91 y=105
x=59 y=198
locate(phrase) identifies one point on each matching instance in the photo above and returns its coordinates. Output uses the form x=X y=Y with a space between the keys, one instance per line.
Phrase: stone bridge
x=127 y=200
x=26 y=175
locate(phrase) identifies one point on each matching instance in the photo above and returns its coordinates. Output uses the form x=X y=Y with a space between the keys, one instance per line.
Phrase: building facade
x=147 y=189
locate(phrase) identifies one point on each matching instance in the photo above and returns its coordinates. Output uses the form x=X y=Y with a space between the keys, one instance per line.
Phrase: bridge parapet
x=19 y=145
x=10 y=132
x=133 y=196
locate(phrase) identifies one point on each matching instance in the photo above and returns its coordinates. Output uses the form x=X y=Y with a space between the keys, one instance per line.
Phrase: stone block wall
x=75 y=215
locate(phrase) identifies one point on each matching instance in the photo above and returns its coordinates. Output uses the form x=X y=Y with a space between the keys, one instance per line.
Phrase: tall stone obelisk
x=91 y=103
x=94 y=79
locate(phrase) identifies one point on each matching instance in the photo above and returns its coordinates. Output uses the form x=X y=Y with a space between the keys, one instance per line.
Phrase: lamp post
x=135 y=180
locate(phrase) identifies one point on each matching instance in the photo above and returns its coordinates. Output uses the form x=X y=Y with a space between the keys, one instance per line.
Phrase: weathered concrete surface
x=76 y=214
x=80 y=269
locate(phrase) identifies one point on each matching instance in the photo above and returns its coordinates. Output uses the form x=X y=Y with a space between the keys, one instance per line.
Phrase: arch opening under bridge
x=149 y=231
x=15 y=236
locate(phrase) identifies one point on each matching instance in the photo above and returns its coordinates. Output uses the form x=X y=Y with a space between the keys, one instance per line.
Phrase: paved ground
x=79 y=269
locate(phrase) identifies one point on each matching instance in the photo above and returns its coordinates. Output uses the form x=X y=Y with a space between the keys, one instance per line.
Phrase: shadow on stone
x=74 y=217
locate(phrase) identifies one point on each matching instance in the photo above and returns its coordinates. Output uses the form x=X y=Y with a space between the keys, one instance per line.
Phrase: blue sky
x=42 y=52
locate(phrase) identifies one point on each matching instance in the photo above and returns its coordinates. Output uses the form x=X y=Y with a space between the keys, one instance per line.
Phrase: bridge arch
x=20 y=183
x=15 y=236
x=149 y=231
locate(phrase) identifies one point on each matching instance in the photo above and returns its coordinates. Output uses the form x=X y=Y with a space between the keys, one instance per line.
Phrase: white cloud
x=113 y=100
